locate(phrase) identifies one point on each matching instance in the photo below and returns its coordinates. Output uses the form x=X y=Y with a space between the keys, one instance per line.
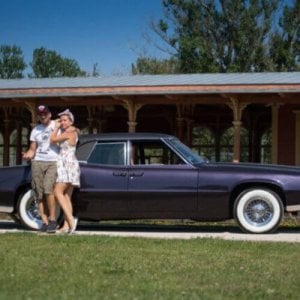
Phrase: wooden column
x=297 y=138
x=32 y=108
x=189 y=128
x=132 y=126
x=237 y=109
x=184 y=121
x=91 y=118
x=6 y=142
x=237 y=141
x=90 y=122
x=19 y=143
x=132 y=109
x=179 y=128
x=275 y=108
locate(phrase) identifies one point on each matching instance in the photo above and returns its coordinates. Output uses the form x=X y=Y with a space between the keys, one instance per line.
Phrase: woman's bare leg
x=59 y=191
x=68 y=195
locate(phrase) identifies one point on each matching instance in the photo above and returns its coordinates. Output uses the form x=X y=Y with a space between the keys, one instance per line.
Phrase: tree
x=146 y=65
x=285 y=42
x=48 y=63
x=228 y=35
x=12 y=62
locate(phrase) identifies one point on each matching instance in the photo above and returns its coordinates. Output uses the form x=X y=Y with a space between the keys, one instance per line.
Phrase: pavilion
x=249 y=117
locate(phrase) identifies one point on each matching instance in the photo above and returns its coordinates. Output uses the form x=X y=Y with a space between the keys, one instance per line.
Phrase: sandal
x=75 y=221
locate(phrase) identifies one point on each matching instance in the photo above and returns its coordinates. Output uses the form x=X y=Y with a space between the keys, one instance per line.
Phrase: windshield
x=186 y=152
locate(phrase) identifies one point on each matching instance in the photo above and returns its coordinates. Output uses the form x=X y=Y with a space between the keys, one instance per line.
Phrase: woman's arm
x=57 y=137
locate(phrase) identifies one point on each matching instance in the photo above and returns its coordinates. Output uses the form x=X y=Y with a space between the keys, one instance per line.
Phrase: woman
x=68 y=171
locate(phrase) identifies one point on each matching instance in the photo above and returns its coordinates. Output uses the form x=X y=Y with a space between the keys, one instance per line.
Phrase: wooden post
x=6 y=143
x=132 y=109
x=275 y=108
x=237 y=109
x=237 y=141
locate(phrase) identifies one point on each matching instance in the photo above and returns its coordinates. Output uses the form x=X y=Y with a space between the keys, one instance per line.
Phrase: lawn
x=37 y=266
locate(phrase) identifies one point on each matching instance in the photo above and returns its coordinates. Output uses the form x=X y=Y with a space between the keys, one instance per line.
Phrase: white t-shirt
x=41 y=135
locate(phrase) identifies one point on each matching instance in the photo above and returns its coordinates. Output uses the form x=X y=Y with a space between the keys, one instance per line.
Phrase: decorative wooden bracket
x=32 y=109
x=237 y=108
x=132 y=109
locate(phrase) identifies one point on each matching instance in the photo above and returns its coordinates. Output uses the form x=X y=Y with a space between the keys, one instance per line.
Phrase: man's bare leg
x=43 y=211
x=51 y=203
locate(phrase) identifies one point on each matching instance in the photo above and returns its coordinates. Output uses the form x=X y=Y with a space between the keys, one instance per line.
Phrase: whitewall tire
x=28 y=211
x=258 y=210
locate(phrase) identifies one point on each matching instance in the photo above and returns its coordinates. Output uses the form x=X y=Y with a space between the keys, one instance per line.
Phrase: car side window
x=108 y=154
x=153 y=153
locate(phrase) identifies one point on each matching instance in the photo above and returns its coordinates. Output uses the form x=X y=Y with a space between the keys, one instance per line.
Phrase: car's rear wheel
x=258 y=210
x=28 y=211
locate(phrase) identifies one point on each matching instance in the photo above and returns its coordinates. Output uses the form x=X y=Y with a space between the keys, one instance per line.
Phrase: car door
x=160 y=184
x=104 y=182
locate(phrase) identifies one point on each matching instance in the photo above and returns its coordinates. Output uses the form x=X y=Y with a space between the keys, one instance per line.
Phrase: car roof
x=123 y=136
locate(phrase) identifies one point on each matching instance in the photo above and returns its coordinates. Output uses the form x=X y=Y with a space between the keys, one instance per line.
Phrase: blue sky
x=107 y=32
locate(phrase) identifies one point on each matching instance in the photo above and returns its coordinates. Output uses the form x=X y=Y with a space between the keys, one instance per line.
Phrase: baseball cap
x=42 y=109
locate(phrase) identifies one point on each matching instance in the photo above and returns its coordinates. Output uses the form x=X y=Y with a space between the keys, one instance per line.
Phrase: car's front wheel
x=28 y=211
x=258 y=210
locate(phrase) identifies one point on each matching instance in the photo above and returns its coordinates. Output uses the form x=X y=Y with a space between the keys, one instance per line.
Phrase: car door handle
x=122 y=174
x=136 y=174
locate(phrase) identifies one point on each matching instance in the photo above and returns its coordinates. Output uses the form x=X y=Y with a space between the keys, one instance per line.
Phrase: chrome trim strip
x=6 y=209
x=291 y=208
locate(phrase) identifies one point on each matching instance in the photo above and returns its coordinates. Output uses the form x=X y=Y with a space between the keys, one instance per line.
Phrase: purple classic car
x=154 y=176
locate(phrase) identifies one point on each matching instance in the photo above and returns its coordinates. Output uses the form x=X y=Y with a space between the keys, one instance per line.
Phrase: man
x=43 y=156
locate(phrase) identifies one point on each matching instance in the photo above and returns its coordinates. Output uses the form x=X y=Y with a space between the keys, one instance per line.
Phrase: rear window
x=84 y=150
x=108 y=154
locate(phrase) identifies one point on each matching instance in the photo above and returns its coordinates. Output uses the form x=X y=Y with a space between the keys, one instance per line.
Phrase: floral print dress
x=68 y=170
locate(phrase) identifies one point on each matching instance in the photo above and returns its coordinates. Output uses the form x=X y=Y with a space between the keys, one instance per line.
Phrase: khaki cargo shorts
x=44 y=174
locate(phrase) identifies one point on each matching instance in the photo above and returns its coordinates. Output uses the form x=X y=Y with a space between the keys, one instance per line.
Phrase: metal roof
x=154 y=80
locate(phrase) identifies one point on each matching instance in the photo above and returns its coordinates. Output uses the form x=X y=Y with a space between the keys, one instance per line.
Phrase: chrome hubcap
x=32 y=210
x=258 y=212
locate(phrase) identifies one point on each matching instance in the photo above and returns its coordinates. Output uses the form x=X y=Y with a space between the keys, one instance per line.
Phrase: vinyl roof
x=155 y=80
x=121 y=136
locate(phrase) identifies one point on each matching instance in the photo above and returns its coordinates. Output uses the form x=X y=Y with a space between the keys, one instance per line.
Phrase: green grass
x=93 y=267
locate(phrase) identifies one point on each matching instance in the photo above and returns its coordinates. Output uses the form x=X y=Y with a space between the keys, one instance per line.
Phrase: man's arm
x=30 y=153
